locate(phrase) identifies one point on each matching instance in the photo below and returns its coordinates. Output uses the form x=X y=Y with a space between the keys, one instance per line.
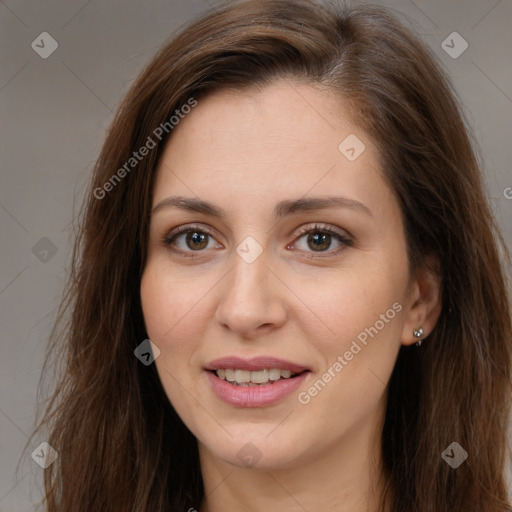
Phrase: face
x=253 y=271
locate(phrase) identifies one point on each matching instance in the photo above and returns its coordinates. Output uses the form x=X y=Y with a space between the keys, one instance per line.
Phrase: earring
x=418 y=333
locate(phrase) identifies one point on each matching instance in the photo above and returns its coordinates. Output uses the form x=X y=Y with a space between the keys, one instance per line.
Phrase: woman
x=289 y=207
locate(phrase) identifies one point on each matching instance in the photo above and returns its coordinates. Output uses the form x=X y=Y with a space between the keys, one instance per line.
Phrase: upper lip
x=254 y=364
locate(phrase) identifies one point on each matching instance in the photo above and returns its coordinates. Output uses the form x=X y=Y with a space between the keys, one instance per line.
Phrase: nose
x=251 y=302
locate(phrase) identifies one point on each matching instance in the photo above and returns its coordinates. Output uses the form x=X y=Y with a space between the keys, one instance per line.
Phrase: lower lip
x=255 y=396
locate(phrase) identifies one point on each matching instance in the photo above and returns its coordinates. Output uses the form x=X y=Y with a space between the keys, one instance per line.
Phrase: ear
x=425 y=301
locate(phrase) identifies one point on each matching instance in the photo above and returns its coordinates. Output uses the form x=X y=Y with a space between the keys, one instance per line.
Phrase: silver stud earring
x=418 y=333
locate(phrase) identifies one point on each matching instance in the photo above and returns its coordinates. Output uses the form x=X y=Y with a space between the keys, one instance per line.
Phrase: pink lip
x=257 y=396
x=254 y=364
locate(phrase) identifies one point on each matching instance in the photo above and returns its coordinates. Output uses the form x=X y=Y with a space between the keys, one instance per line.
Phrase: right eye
x=188 y=239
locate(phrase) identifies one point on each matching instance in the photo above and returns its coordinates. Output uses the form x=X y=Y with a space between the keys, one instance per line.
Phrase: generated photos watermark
x=44 y=455
x=159 y=133
x=357 y=345
x=454 y=455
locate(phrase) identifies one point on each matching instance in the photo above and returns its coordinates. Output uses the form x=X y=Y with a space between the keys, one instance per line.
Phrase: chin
x=256 y=450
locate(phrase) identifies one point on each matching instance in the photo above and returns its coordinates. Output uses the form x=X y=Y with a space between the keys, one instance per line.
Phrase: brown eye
x=196 y=240
x=321 y=239
x=187 y=240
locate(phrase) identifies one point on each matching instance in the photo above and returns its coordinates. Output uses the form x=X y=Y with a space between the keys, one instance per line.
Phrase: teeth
x=242 y=376
x=255 y=378
x=274 y=374
x=259 y=377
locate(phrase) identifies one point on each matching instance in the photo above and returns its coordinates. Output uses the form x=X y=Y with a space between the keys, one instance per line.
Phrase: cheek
x=176 y=313
x=352 y=301
x=362 y=311
x=158 y=308
x=170 y=308
x=168 y=301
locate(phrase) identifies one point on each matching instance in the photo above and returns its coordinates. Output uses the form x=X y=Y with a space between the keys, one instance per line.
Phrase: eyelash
x=345 y=241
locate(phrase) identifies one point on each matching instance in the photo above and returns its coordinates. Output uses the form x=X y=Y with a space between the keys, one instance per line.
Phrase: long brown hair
x=121 y=445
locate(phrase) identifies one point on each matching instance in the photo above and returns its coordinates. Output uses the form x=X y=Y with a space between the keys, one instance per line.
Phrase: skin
x=245 y=152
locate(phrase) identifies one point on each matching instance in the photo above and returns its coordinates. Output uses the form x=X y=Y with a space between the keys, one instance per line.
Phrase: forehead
x=262 y=145
x=280 y=118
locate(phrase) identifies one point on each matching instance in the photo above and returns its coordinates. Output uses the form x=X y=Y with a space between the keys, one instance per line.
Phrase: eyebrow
x=282 y=209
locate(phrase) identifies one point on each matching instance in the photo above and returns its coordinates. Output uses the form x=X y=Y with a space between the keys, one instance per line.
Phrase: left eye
x=320 y=239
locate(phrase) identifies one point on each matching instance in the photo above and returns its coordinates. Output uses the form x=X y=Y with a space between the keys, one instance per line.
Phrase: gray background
x=54 y=115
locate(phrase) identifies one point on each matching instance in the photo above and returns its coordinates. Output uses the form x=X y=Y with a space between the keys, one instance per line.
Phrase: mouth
x=246 y=378
x=258 y=382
